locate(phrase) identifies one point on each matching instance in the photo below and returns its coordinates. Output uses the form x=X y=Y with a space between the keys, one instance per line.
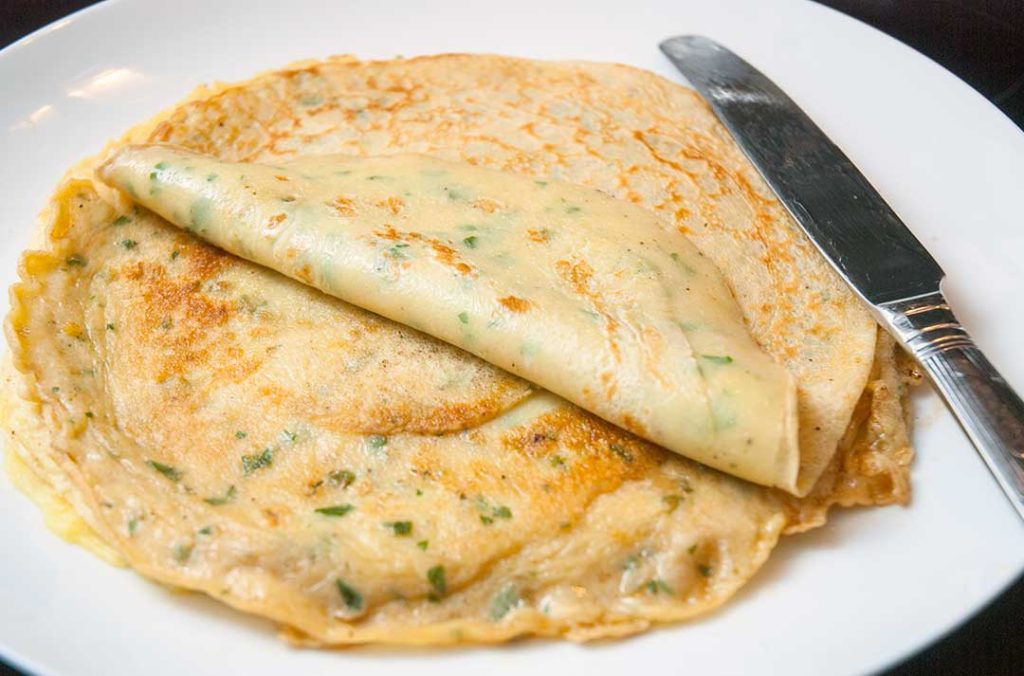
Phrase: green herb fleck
x=129 y=243
x=341 y=477
x=423 y=544
x=470 y=241
x=251 y=463
x=133 y=526
x=182 y=552
x=396 y=251
x=287 y=437
x=672 y=501
x=110 y=327
x=175 y=254
x=437 y=580
x=486 y=520
x=121 y=220
x=75 y=260
x=692 y=550
x=504 y=601
x=401 y=528
x=153 y=176
x=717 y=359
x=621 y=452
x=240 y=434
x=704 y=570
x=335 y=510
x=90 y=415
x=228 y=496
x=377 y=441
x=658 y=587
x=161 y=165
x=168 y=471
x=542 y=184
x=353 y=599
x=55 y=389
x=205 y=530
x=572 y=209
x=557 y=461
x=211 y=178
x=502 y=512
x=464 y=317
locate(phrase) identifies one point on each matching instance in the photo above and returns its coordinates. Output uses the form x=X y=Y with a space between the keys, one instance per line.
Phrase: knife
x=866 y=243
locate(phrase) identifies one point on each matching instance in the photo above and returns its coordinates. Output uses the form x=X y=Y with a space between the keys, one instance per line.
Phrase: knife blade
x=866 y=243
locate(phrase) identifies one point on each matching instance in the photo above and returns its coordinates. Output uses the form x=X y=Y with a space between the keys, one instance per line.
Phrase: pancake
x=225 y=429
x=577 y=292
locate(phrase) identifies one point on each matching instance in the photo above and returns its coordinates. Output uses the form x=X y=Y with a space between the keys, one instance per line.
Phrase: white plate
x=852 y=597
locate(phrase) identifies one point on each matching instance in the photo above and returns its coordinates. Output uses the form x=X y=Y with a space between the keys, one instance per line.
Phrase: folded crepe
x=589 y=297
x=222 y=428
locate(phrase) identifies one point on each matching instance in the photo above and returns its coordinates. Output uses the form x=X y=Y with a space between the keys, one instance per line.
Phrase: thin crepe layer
x=589 y=297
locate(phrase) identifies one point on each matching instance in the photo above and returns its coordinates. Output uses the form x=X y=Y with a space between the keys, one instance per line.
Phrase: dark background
x=981 y=41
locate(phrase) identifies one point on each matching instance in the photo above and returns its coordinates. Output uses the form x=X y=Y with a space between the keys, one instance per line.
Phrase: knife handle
x=984 y=404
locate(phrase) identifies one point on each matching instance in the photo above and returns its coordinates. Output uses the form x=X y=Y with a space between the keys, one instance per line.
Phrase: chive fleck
x=658 y=587
x=377 y=441
x=504 y=601
x=75 y=260
x=486 y=520
x=672 y=501
x=704 y=570
x=502 y=512
x=129 y=243
x=401 y=528
x=168 y=471
x=437 y=580
x=218 y=500
x=182 y=552
x=205 y=530
x=175 y=254
x=121 y=220
x=251 y=463
x=470 y=241
x=423 y=544
x=341 y=477
x=240 y=434
x=335 y=510
x=717 y=359
x=621 y=452
x=353 y=599
x=464 y=317
x=90 y=415
x=110 y=327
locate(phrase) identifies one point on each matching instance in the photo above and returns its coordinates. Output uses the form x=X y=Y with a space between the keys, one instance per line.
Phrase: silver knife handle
x=984 y=404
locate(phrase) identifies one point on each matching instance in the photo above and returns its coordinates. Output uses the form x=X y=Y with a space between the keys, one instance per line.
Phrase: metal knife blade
x=866 y=243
